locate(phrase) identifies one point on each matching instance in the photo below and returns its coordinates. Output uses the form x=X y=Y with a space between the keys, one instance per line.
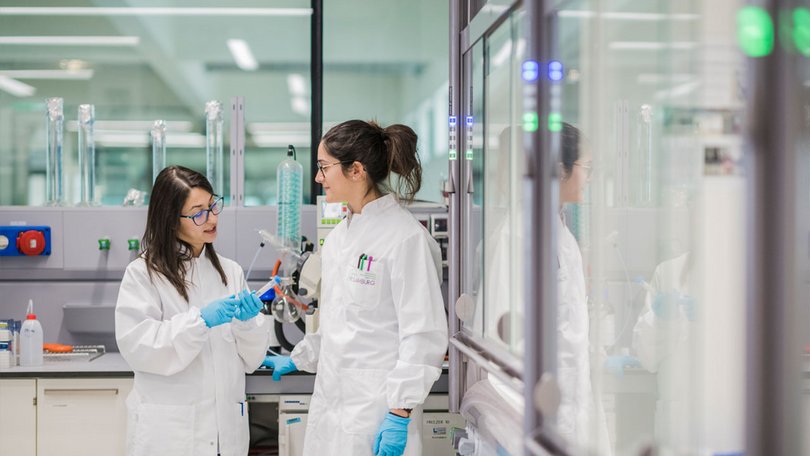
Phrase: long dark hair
x=161 y=247
x=381 y=151
x=571 y=141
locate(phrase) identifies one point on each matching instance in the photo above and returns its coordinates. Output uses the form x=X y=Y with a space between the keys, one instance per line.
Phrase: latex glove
x=281 y=365
x=220 y=311
x=249 y=305
x=616 y=364
x=392 y=436
x=666 y=305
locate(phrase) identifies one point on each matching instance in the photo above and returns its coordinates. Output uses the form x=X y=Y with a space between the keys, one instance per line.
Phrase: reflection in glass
x=54 y=173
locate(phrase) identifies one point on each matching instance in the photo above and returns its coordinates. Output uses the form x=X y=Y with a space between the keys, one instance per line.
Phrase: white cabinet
x=82 y=416
x=18 y=419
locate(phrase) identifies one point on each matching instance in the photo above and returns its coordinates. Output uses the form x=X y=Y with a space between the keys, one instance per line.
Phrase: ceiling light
x=628 y=16
x=16 y=88
x=71 y=40
x=242 y=55
x=48 y=74
x=651 y=45
x=133 y=125
x=300 y=105
x=296 y=84
x=157 y=11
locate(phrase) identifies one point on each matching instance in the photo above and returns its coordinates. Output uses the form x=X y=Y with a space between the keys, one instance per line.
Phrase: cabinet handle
x=113 y=391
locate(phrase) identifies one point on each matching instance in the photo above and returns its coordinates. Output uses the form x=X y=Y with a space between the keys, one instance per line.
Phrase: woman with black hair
x=383 y=332
x=187 y=326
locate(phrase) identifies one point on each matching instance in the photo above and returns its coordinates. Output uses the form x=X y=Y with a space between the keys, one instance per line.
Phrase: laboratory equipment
x=87 y=155
x=54 y=173
x=158 y=148
x=215 y=160
x=31 y=339
x=289 y=175
x=25 y=240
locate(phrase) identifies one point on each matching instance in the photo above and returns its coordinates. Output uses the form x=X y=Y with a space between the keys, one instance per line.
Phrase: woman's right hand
x=220 y=311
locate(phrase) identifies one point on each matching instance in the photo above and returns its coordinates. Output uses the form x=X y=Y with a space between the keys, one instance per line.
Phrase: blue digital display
x=452 y=120
x=469 y=121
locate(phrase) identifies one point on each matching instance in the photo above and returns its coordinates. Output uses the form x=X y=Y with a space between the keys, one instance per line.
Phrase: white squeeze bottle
x=31 y=339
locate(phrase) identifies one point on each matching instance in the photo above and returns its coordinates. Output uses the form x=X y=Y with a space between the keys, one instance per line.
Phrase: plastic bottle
x=290 y=175
x=31 y=339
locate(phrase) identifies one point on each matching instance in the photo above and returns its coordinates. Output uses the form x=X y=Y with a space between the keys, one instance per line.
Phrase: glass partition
x=650 y=241
x=495 y=275
x=140 y=63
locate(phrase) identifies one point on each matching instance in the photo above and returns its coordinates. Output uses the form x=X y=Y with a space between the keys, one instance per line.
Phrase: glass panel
x=166 y=64
x=496 y=197
x=651 y=244
x=388 y=62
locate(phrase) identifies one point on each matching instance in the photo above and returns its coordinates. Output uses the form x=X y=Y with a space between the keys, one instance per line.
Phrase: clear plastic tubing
x=87 y=155
x=54 y=173
x=214 y=160
x=158 y=148
x=289 y=175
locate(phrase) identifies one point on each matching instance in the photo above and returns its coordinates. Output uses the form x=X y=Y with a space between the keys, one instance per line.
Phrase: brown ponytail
x=381 y=151
x=404 y=160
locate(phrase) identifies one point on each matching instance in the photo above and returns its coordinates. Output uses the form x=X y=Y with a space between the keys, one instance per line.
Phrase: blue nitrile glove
x=616 y=364
x=220 y=311
x=281 y=365
x=249 y=305
x=665 y=305
x=392 y=436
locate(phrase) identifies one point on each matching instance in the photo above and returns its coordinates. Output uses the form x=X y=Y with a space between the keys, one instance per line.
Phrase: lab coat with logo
x=579 y=420
x=189 y=392
x=383 y=330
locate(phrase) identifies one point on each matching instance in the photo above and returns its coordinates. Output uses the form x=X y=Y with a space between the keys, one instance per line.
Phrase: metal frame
x=237 y=151
x=316 y=81
x=774 y=415
x=456 y=371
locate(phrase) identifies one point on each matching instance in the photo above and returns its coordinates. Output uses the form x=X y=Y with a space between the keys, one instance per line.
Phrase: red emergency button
x=31 y=242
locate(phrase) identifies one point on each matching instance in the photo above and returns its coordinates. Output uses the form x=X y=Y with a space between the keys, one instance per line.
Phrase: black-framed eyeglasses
x=200 y=218
x=323 y=166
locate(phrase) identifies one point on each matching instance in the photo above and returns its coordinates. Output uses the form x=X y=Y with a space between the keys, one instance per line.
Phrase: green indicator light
x=554 y=122
x=133 y=244
x=469 y=154
x=755 y=31
x=530 y=122
x=801 y=30
x=104 y=244
x=453 y=154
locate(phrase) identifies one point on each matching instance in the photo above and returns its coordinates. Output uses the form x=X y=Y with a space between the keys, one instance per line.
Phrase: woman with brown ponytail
x=383 y=331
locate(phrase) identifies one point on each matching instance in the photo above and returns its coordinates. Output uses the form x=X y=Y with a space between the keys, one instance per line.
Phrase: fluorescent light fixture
x=182 y=126
x=71 y=40
x=628 y=16
x=156 y=11
x=296 y=84
x=281 y=139
x=15 y=87
x=111 y=138
x=242 y=55
x=255 y=128
x=677 y=91
x=48 y=74
x=658 y=78
x=651 y=45
x=300 y=105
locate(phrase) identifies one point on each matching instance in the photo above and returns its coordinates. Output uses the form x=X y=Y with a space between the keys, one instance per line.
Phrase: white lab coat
x=383 y=331
x=664 y=347
x=189 y=392
x=579 y=421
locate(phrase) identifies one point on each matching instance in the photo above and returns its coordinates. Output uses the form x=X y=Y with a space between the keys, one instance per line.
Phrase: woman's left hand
x=249 y=305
